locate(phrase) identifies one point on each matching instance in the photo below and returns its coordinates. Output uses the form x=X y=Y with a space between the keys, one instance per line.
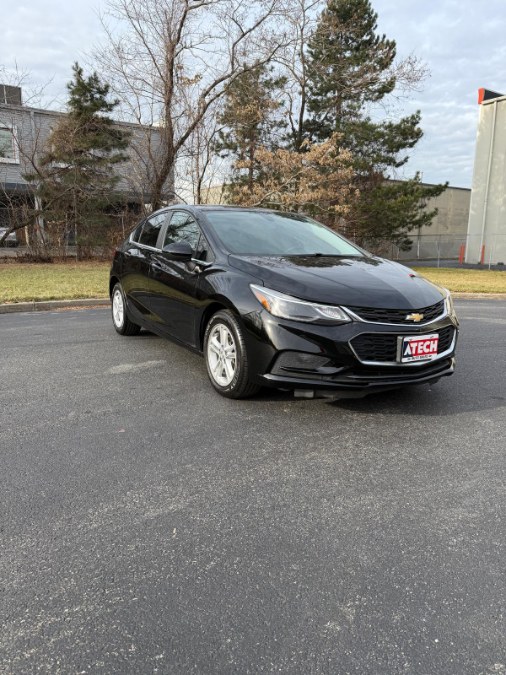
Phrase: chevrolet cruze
x=276 y=299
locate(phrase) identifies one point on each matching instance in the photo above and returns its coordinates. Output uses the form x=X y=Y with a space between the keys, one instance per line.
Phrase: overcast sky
x=461 y=41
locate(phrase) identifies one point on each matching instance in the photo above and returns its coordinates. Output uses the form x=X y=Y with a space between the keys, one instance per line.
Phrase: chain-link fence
x=489 y=250
x=59 y=240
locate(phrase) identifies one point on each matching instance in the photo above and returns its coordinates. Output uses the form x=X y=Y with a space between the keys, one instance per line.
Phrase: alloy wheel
x=222 y=355
x=118 y=308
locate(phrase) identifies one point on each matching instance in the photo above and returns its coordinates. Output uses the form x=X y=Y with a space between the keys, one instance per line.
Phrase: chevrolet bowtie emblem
x=414 y=317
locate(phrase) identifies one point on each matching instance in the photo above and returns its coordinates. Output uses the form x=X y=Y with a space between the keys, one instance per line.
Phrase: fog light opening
x=298 y=362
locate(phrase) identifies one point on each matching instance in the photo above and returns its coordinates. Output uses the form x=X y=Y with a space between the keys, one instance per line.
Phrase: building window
x=8 y=145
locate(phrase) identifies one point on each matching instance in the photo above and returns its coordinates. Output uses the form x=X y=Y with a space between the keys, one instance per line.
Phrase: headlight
x=287 y=307
x=449 y=303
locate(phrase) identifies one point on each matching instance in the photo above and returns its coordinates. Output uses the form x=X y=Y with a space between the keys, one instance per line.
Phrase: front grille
x=398 y=315
x=383 y=347
x=375 y=347
x=445 y=339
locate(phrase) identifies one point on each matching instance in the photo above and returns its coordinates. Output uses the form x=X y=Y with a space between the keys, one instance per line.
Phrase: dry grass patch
x=466 y=281
x=21 y=282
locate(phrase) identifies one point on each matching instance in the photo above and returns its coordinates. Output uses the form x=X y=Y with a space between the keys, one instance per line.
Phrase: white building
x=486 y=232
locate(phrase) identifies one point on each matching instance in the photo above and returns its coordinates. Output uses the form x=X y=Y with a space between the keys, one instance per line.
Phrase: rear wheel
x=120 y=319
x=226 y=358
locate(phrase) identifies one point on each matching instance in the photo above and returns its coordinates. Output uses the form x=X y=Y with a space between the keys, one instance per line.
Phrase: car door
x=136 y=279
x=174 y=282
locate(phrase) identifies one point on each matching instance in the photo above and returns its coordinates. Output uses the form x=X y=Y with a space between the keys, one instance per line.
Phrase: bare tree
x=161 y=54
x=23 y=209
x=27 y=140
x=201 y=171
x=18 y=77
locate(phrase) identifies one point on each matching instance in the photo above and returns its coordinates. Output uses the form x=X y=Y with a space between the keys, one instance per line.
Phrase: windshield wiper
x=322 y=255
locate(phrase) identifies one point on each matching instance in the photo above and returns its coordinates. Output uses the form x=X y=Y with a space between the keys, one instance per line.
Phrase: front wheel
x=226 y=358
x=120 y=319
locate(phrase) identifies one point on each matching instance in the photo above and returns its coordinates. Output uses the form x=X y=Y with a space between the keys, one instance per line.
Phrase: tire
x=226 y=357
x=120 y=320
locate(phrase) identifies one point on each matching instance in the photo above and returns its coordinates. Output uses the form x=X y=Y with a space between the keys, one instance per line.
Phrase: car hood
x=355 y=281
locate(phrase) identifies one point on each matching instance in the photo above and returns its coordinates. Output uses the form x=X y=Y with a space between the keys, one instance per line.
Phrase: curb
x=479 y=296
x=50 y=305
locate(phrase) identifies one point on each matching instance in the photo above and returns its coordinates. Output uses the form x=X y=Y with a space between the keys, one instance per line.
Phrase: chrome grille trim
x=355 y=317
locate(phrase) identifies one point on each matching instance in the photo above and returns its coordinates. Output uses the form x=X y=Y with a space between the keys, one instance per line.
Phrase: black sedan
x=279 y=300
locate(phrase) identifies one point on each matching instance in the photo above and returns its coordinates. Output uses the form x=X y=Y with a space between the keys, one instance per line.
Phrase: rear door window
x=151 y=230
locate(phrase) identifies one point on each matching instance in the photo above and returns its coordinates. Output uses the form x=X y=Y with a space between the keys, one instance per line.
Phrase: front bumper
x=355 y=383
x=342 y=363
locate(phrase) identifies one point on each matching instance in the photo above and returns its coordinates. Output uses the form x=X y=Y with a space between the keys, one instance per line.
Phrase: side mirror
x=180 y=250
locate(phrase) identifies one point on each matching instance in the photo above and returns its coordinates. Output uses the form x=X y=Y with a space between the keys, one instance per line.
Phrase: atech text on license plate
x=419 y=348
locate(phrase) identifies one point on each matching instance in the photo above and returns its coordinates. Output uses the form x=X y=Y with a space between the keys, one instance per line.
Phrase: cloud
x=464 y=49
x=45 y=38
x=461 y=41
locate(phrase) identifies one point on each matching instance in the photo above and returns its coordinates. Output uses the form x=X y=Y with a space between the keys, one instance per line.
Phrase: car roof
x=203 y=208
x=219 y=207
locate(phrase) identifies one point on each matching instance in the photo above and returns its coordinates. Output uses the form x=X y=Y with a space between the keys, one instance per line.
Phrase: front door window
x=182 y=227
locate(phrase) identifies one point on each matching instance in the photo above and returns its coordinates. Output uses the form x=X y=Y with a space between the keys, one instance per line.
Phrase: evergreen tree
x=348 y=65
x=249 y=123
x=76 y=180
x=350 y=69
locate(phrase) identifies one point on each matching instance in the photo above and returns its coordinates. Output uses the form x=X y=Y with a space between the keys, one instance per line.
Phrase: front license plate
x=419 y=348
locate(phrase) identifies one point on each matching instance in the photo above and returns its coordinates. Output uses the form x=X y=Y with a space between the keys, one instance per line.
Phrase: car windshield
x=276 y=234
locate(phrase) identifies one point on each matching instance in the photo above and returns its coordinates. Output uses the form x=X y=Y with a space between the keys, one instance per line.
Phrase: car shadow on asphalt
x=146 y=334
x=451 y=396
x=423 y=400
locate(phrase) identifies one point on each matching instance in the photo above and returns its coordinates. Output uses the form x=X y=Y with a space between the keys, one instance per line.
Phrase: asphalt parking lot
x=150 y=526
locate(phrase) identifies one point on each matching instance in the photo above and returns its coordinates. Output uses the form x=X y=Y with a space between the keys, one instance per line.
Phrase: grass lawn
x=466 y=281
x=20 y=282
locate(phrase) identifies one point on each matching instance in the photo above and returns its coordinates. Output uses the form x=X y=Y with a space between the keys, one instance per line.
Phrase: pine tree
x=348 y=64
x=351 y=68
x=76 y=180
x=249 y=123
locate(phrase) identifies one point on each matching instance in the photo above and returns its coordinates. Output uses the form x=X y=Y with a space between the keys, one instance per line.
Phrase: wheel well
x=112 y=282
